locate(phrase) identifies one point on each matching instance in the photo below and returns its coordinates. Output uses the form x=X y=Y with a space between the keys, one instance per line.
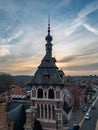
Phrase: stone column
x=47 y=112
x=43 y=111
x=40 y=111
x=51 y=113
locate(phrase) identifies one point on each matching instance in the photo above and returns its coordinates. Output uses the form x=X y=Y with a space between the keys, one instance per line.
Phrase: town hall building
x=47 y=97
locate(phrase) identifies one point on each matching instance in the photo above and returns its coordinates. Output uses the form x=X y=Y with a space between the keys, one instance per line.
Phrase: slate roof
x=53 y=74
x=47 y=67
x=66 y=107
x=16 y=114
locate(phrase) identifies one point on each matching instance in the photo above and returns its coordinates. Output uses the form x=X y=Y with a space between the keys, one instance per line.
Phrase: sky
x=74 y=28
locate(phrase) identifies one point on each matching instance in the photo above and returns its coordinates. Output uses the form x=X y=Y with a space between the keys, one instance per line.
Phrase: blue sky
x=74 y=27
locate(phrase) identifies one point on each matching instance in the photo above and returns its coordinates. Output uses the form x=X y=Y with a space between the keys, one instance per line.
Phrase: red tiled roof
x=73 y=89
x=18 y=90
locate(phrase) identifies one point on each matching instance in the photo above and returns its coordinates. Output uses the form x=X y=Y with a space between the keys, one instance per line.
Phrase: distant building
x=47 y=95
x=18 y=93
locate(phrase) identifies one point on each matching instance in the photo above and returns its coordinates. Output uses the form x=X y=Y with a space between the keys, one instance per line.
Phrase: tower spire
x=49 y=39
x=49 y=24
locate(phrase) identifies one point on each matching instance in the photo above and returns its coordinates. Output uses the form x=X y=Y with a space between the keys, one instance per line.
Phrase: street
x=91 y=123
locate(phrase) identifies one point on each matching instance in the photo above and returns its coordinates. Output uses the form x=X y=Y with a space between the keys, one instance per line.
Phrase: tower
x=46 y=92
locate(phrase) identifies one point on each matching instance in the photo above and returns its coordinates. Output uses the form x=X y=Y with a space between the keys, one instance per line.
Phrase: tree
x=5 y=81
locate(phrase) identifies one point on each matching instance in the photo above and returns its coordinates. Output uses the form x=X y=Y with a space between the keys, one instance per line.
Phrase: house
x=78 y=94
x=18 y=93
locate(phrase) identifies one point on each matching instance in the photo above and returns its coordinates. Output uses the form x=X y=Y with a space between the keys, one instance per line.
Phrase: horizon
x=74 y=28
x=33 y=75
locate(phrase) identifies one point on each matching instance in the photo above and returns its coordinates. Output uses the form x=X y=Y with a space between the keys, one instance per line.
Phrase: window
x=51 y=94
x=40 y=93
x=47 y=61
x=46 y=77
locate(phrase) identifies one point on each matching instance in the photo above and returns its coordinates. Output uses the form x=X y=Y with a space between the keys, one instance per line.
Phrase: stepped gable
x=47 y=72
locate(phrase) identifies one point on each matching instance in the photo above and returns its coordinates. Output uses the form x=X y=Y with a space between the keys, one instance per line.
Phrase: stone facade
x=48 y=107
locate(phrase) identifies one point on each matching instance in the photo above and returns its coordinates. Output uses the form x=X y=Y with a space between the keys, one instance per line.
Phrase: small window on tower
x=47 y=61
x=46 y=77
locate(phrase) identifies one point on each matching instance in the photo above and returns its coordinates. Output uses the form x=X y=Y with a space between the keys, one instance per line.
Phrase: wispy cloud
x=68 y=59
x=5 y=43
x=62 y=3
x=88 y=9
x=20 y=48
x=9 y=7
x=90 y=28
x=9 y=39
x=85 y=52
x=93 y=66
x=79 y=21
x=4 y=50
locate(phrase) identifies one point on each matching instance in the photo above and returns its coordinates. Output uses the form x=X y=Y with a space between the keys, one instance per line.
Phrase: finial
x=49 y=37
x=49 y=24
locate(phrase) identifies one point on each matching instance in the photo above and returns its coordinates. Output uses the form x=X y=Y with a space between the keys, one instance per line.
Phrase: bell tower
x=46 y=92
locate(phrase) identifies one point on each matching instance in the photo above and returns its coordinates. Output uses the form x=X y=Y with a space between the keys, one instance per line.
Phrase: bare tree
x=5 y=81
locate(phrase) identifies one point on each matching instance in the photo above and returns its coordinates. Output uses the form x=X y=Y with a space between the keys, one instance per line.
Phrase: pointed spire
x=49 y=24
x=49 y=39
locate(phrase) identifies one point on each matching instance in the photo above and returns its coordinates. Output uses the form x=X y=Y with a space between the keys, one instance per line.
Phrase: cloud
x=9 y=39
x=85 y=67
x=4 y=50
x=88 y=9
x=79 y=21
x=62 y=3
x=68 y=59
x=90 y=28
x=73 y=58
x=17 y=49
x=15 y=36
x=88 y=51
x=9 y=7
x=5 y=46
x=72 y=28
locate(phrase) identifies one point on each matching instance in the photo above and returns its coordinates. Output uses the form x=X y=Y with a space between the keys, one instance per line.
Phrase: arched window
x=51 y=94
x=40 y=93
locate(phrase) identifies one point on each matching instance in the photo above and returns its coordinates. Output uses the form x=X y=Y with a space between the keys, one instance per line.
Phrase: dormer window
x=47 y=61
x=46 y=77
